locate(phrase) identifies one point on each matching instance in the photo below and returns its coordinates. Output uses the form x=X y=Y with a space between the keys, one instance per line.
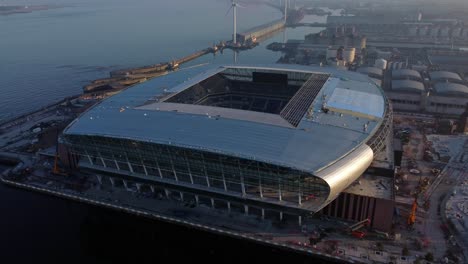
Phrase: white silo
x=381 y=64
x=332 y=53
x=363 y=42
x=349 y=54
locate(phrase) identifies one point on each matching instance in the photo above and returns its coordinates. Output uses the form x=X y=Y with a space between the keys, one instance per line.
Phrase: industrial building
x=406 y=74
x=344 y=46
x=326 y=38
x=372 y=197
x=442 y=93
x=394 y=26
x=366 y=24
x=267 y=140
x=374 y=73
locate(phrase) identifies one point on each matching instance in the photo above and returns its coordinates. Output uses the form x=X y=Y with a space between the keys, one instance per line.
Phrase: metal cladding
x=381 y=64
x=444 y=75
x=345 y=171
x=406 y=73
x=371 y=70
x=407 y=86
x=311 y=131
x=349 y=54
x=451 y=89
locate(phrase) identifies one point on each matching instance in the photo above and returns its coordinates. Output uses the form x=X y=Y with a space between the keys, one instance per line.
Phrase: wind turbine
x=234 y=6
x=285 y=10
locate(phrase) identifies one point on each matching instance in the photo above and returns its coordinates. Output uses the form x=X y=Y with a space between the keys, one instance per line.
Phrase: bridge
x=280 y=8
x=292 y=16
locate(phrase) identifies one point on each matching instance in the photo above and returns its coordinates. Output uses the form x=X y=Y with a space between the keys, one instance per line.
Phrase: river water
x=47 y=55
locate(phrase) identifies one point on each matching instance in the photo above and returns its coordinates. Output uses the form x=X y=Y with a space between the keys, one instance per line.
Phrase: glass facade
x=201 y=169
x=378 y=140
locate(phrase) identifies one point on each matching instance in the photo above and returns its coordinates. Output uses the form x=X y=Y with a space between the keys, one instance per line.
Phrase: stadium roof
x=216 y=112
x=407 y=85
x=376 y=81
x=344 y=114
x=451 y=89
x=402 y=73
x=444 y=75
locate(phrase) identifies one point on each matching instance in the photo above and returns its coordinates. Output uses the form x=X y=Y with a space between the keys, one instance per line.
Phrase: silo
x=332 y=53
x=349 y=54
x=381 y=64
x=363 y=42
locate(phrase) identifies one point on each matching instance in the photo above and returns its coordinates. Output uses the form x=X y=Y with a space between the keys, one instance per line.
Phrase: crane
x=412 y=215
x=56 y=170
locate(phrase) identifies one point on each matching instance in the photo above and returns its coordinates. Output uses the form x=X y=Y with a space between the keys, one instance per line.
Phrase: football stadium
x=285 y=138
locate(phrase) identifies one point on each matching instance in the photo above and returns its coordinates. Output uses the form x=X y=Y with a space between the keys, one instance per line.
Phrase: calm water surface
x=47 y=55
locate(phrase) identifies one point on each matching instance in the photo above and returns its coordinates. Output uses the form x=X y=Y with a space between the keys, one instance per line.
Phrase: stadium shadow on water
x=39 y=228
x=112 y=237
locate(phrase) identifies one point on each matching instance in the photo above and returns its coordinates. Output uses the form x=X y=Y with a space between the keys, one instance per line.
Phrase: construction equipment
x=56 y=170
x=358 y=225
x=354 y=228
x=358 y=234
x=412 y=215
